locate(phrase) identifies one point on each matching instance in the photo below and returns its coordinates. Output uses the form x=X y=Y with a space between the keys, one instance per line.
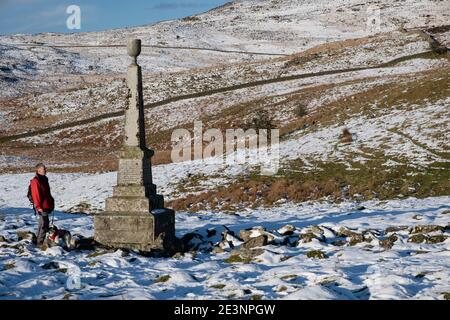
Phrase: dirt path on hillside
x=110 y=115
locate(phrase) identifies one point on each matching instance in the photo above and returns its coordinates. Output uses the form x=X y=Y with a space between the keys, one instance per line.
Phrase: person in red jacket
x=42 y=200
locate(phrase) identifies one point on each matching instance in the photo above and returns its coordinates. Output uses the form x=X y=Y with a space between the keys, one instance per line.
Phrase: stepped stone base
x=135 y=217
x=148 y=231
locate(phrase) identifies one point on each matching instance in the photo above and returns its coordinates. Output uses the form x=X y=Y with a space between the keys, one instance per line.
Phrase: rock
x=287 y=230
x=360 y=208
x=317 y=254
x=436 y=239
x=339 y=243
x=388 y=243
x=231 y=238
x=250 y=253
x=370 y=235
x=26 y=235
x=163 y=278
x=50 y=265
x=307 y=237
x=255 y=242
x=316 y=229
x=246 y=234
x=210 y=232
x=192 y=240
x=236 y=258
x=426 y=229
x=82 y=243
x=395 y=229
x=355 y=239
x=290 y=241
x=224 y=244
x=417 y=238
x=3 y=239
x=217 y=250
x=344 y=232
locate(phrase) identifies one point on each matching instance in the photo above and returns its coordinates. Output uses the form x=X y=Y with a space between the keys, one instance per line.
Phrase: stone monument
x=135 y=217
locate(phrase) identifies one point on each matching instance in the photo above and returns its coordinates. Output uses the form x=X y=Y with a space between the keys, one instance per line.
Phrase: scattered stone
x=191 y=241
x=289 y=277
x=50 y=265
x=82 y=243
x=395 y=229
x=236 y=258
x=281 y=289
x=417 y=238
x=317 y=254
x=250 y=253
x=255 y=242
x=251 y=232
x=344 y=232
x=307 y=237
x=245 y=234
x=224 y=244
x=218 y=250
x=369 y=235
x=8 y=266
x=389 y=242
x=26 y=235
x=231 y=238
x=355 y=239
x=316 y=229
x=287 y=230
x=426 y=229
x=163 y=278
x=436 y=239
x=211 y=232
x=97 y=253
x=290 y=241
x=339 y=243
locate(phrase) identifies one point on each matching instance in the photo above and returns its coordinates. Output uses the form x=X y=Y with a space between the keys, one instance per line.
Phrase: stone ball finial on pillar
x=134 y=49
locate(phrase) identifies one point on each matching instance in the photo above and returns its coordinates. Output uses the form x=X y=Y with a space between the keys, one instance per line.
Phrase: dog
x=60 y=237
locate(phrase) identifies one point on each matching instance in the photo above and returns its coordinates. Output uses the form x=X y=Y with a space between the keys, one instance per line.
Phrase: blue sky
x=35 y=16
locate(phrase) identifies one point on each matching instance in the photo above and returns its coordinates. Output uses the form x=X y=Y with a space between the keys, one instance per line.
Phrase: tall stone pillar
x=135 y=216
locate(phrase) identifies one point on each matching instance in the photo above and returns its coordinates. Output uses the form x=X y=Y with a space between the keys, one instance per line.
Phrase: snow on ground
x=361 y=271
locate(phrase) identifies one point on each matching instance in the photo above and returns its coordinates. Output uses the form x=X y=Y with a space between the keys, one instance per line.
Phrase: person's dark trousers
x=42 y=227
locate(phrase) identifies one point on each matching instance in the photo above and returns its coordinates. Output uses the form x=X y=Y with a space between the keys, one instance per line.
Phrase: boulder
x=436 y=239
x=26 y=235
x=255 y=242
x=395 y=229
x=286 y=230
x=417 y=238
x=425 y=228
x=388 y=243
x=316 y=254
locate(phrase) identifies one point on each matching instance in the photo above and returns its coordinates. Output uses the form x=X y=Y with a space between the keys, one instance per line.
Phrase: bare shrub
x=300 y=110
x=346 y=136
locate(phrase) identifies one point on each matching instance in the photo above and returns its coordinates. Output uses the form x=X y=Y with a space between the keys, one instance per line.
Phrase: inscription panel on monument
x=130 y=172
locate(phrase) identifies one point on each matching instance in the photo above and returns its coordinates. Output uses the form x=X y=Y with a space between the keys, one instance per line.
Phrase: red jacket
x=40 y=191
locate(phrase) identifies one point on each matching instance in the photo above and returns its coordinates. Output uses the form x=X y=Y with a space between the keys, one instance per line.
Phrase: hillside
x=359 y=208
